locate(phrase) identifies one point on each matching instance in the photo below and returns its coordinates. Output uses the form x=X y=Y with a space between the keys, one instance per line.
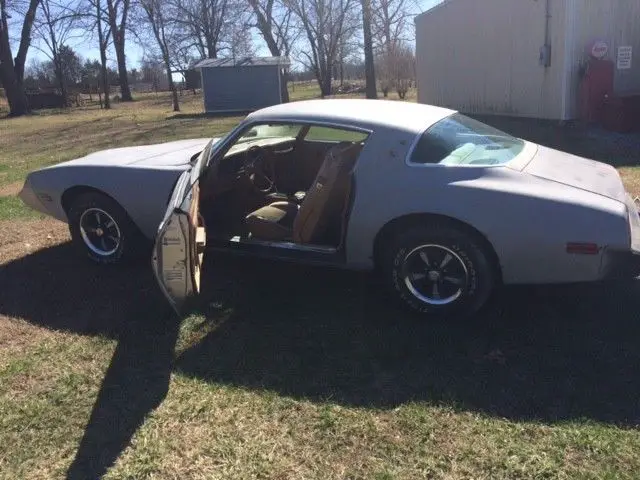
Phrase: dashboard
x=235 y=158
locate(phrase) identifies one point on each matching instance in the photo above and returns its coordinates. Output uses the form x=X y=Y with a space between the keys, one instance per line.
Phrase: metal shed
x=243 y=84
x=523 y=58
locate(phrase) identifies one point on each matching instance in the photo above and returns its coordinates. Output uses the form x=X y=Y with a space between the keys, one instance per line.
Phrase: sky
x=135 y=52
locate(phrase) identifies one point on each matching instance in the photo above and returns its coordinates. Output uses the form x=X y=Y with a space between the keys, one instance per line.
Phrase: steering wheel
x=257 y=169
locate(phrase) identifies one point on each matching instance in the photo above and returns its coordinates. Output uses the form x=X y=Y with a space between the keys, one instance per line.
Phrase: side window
x=460 y=140
x=328 y=134
x=429 y=151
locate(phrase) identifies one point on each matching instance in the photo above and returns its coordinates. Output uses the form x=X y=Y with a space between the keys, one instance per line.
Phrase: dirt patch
x=631 y=179
x=21 y=238
x=10 y=190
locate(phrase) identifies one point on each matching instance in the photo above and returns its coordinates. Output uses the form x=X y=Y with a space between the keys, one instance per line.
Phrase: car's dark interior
x=283 y=189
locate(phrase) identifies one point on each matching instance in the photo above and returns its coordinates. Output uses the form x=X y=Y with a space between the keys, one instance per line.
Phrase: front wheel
x=102 y=230
x=439 y=271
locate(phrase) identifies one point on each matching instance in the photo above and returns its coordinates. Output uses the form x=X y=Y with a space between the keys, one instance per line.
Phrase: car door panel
x=179 y=249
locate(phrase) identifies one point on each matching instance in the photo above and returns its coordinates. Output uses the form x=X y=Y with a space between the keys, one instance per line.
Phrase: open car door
x=179 y=248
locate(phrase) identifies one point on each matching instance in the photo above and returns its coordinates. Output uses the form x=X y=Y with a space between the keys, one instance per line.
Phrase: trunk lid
x=577 y=172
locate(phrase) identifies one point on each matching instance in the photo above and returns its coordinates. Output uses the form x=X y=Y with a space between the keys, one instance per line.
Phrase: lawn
x=288 y=372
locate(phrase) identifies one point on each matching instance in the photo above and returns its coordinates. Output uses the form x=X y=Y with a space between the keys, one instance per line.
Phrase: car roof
x=408 y=116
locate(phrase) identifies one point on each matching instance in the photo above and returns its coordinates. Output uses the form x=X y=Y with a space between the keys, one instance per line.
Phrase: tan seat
x=324 y=200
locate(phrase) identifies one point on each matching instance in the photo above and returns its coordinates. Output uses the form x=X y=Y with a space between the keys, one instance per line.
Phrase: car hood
x=578 y=172
x=169 y=154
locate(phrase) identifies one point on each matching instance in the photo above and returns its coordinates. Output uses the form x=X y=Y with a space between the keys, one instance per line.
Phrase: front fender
x=143 y=192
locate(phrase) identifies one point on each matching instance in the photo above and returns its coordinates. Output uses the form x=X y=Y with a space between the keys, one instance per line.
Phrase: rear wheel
x=438 y=271
x=102 y=230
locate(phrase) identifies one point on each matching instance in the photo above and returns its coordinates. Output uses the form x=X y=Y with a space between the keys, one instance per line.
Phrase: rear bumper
x=622 y=265
x=626 y=264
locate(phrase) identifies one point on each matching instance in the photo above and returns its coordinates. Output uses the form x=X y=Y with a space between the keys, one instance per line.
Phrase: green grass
x=290 y=372
x=52 y=137
x=12 y=208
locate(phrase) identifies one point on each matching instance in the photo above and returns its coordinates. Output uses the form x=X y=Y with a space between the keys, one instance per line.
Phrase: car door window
x=329 y=134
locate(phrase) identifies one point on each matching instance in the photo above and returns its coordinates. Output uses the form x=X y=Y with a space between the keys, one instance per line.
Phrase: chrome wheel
x=100 y=232
x=434 y=274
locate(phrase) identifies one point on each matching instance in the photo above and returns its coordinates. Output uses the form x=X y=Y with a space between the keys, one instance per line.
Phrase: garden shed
x=243 y=84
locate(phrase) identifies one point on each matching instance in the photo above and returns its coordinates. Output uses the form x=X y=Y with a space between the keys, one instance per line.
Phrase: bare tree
x=240 y=44
x=202 y=23
x=118 y=16
x=391 y=21
x=98 y=20
x=278 y=28
x=403 y=65
x=157 y=15
x=396 y=70
x=12 y=69
x=152 y=72
x=54 y=27
x=326 y=23
x=276 y=25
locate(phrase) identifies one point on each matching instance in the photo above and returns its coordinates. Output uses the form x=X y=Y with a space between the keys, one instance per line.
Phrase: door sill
x=285 y=245
x=279 y=250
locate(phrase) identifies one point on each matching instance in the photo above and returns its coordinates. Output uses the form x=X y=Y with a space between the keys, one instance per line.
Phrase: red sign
x=599 y=49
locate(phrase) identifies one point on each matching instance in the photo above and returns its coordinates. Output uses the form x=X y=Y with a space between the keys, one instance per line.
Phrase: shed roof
x=243 y=62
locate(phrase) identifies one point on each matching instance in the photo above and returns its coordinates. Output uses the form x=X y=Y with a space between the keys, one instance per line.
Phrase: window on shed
x=460 y=140
x=330 y=134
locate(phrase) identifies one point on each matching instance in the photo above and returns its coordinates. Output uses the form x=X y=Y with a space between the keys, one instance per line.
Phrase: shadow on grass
x=56 y=289
x=135 y=384
x=552 y=354
x=549 y=354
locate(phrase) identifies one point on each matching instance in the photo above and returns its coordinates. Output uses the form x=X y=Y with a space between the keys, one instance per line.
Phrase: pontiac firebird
x=444 y=207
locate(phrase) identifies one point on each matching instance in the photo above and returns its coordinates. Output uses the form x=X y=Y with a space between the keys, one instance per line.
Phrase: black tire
x=130 y=241
x=463 y=291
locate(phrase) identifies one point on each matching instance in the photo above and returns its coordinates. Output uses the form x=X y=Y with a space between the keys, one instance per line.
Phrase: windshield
x=460 y=140
x=270 y=131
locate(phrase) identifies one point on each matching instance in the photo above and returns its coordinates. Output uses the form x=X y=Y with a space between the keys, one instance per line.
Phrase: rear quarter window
x=463 y=141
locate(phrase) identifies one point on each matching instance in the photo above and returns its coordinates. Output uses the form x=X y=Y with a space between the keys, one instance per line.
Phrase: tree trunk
x=370 y=73
x=283 y=85
x=325 y=83
x=104 y=80
x=118 y=34
x=13 y=90
x=123 y=79
x=264 y=27
x=25 y=40
x=60 y=77
x=11 y=74
x=172 y=87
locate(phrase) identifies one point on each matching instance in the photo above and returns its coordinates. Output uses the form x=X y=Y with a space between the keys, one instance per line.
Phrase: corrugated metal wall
x=615 y=21
x=483 y=57
x=240 y=89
